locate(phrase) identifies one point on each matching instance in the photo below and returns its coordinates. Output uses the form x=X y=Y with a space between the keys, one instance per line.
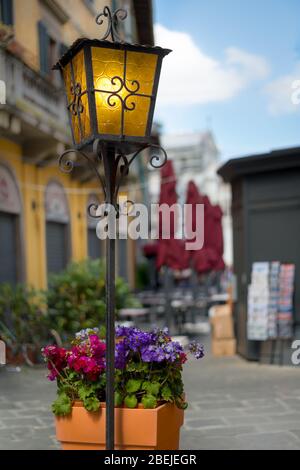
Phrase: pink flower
x=98 y=348
x=86 y=358
x=183 y=358
x=57 y=360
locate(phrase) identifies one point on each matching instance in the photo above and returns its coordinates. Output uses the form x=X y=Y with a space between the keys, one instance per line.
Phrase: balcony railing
x=32 y=97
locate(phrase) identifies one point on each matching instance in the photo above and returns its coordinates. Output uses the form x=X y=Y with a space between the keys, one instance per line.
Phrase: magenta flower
x=57 y=360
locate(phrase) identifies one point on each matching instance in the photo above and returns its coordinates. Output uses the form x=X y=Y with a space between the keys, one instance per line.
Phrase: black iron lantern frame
x=108 y=155
x=76 y=106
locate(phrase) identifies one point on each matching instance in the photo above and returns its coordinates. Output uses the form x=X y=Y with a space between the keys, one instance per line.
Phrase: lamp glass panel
x=81 y=120
x=123 y=79
x=140 y=67
x=107 y=64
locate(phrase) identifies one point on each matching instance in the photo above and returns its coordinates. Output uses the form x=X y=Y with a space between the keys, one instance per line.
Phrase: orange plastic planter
x=135 y=429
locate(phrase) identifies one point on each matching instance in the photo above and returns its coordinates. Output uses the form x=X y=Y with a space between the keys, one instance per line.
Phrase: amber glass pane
x=140 y=67
x=107 y=64
x=81 y=123
x=117 y=87
x=69 y=84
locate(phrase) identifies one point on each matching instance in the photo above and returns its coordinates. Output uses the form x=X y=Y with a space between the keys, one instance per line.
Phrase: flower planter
x=135 y=429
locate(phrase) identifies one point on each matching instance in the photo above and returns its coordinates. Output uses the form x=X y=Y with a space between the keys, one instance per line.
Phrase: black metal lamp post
x=111 y=89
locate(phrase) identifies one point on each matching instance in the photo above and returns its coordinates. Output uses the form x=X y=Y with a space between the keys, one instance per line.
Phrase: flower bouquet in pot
x=149 y=391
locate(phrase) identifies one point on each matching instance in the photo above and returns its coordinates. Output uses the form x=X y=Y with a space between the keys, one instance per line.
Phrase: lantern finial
x=113 y=20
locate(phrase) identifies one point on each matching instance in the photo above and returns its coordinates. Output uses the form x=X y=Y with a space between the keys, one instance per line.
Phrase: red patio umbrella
x=171 y=252
x=204 y=259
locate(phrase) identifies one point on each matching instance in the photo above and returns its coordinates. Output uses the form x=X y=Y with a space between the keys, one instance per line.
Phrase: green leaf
x=166 y=393
x=137 y=367
x=153 y=388
x=133 y=385
x=182 y=405
x=91 y=404
x=118 y=399
x=149 y=401
x=131 y=401
x=84 y=392
x=62 y=406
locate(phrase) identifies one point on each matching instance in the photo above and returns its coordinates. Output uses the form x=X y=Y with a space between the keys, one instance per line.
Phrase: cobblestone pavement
x=233 y=405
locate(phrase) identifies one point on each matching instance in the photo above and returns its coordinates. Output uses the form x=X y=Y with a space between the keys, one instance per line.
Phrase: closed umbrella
x=170 y=253
x=201 y=260
x=217 y=238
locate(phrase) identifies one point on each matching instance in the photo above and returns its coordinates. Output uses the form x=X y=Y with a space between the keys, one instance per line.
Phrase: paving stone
x=31 y=413
x=6 y=434
x=221 y=405
x=20 y=422
x=225 y=412
x=292 y=403
x=195 y=442
x=246 y=420
x=199 y=423
x=261 y=402
x=29 y=405
x=285 y=417
x=296 y=432
x=268 y=410
x=269 y=441
x=7 y=414
x=5 y=405
x=291 y=394
x=279 y=426
x=224 y=431
x=213 y=399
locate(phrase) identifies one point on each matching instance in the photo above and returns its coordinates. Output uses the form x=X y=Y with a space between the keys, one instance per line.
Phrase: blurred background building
x=43 y=219
x=197 y=158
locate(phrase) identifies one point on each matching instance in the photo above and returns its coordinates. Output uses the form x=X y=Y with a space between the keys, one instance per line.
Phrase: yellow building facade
x=43 y=212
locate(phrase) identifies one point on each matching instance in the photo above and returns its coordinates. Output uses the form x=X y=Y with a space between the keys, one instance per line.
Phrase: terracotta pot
x=135 y=429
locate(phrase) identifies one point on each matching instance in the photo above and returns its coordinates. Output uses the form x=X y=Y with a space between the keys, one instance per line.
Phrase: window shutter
x=94 y=244
x=56 y=241
x=62 y=49
x=7 y=12
x=44 y=43
x=8 y=248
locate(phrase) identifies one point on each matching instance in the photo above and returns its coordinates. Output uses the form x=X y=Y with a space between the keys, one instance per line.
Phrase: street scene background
x=227 y=116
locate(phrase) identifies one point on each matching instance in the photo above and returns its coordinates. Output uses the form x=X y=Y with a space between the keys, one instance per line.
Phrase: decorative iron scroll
x=116 y=93
x=113 y=20
x=122 y=165
x=76 y=106
x=67 y=165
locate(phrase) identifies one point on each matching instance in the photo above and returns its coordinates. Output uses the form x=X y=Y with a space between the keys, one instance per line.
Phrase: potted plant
x=76 y=297
x=23 y=324
x=149 y=391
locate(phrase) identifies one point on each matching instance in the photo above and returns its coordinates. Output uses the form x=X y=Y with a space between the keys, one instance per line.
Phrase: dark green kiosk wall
x=266 y=226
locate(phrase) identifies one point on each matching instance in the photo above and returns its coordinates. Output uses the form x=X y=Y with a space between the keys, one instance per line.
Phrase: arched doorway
x=10 y=229
x=57 y=228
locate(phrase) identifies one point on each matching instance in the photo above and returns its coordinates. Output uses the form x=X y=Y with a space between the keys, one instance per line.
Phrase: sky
x=232 y=70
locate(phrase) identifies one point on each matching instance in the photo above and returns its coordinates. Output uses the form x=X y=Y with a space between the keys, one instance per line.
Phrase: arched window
x=95 y=246
x=10 y=232
x=57 y=228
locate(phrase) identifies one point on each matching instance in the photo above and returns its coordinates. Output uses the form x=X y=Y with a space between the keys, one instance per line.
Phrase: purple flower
x=134 y=337
x=121 y=354
x=155 y=346
x=196 y=349
x=152 y=353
